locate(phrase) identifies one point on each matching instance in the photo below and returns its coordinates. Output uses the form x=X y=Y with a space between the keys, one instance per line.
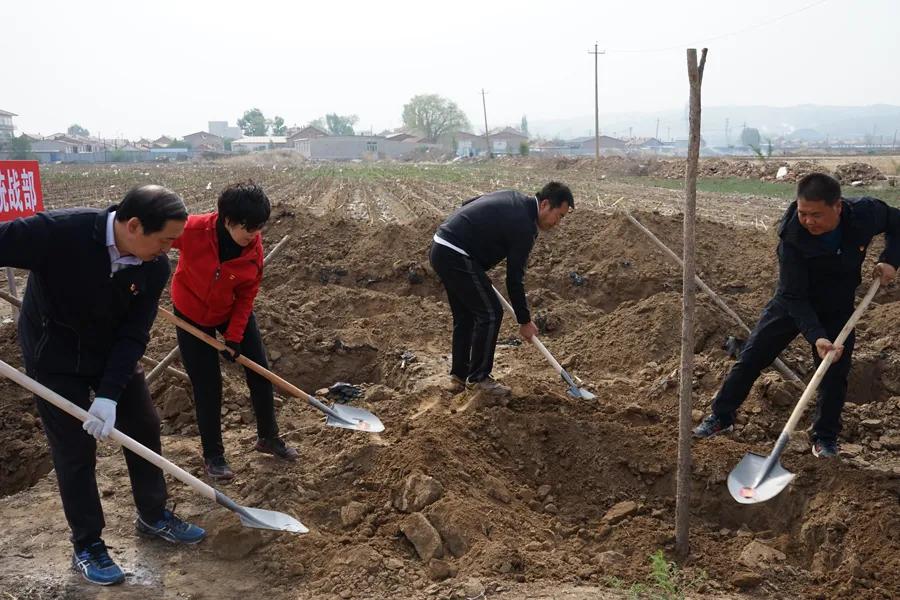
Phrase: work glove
x=103 y=418
x=229 y=348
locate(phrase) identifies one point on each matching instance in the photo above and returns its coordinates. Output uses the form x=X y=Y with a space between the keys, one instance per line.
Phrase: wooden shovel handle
x=275 y=379
x=810 y=390
x=117 y=436
x=534 y=339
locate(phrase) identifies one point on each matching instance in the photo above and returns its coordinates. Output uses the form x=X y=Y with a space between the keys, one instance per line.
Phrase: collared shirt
x=117 y=262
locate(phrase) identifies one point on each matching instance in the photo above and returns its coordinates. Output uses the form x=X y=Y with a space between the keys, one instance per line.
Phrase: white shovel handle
x=117 y=436
x=534 y=339
x=810 y=390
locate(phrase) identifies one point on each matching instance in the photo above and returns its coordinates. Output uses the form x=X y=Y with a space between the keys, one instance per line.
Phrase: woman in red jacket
x=218 y=275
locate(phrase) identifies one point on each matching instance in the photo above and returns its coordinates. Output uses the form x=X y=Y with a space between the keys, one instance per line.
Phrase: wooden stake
x=778 y=364
x=11 y=280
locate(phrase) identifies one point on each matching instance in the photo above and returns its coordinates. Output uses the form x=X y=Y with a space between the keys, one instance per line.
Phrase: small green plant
x=664 y=574
x=523 y=149
x=636 y=591
x=669 y=581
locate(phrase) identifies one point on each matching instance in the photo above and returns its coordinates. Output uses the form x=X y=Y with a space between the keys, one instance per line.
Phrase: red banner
x=20 y=189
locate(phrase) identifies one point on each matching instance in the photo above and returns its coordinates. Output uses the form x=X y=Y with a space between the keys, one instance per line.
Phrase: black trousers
x=201 y=361
x=772 y=334
x=74 y=451
x=477 y=313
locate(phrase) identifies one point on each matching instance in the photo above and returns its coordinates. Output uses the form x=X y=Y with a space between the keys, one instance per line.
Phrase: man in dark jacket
x=823 y=242
x=486 y=230
x=93 y=291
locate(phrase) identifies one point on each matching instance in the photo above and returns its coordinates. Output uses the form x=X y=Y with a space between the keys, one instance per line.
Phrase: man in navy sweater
x=486 y=230
x=823 y=240
x=93 y=292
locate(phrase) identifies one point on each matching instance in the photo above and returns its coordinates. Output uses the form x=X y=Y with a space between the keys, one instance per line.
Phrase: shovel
x=337 y=415
x=759 y=478
x=574 y=390
x=257 y=518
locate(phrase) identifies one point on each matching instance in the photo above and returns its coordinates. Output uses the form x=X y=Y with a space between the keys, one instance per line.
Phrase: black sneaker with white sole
x=712 y=425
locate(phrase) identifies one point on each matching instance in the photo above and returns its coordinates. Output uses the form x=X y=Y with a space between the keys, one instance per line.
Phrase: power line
x=705 y=41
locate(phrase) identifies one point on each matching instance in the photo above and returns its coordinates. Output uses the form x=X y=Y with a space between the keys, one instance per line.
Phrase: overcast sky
x=144 y=69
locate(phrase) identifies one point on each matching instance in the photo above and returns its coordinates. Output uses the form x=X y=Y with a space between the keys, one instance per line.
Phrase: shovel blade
x=352 y=417
x=577 y=392
x=742 y=480
x=260 y=518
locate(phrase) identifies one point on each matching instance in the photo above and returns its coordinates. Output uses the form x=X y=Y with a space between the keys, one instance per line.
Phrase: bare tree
x=683 y=489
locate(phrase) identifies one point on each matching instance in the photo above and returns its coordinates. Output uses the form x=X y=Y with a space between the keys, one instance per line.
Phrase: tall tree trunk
x=683 y=490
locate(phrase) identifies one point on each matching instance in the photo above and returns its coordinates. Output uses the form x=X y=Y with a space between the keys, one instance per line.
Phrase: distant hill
x=807 y=122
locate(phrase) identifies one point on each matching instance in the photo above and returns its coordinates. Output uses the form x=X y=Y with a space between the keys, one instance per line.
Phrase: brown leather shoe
x=455 y=385
x=489 y=386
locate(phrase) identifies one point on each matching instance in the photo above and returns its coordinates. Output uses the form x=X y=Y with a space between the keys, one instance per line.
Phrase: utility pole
x=669 y=132
x=596 y=53
x=657 y=129
x=894 y=143
x=487 y=136
x=727 y=141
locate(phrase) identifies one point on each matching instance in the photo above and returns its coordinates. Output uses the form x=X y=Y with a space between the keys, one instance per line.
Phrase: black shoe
x=710 y=426
x=276 y=447
x=825 y=449
x=217 y=468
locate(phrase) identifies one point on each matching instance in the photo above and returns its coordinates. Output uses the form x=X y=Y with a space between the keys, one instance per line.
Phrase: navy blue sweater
x=77 y=316
x=493 y=227
x=814 y=279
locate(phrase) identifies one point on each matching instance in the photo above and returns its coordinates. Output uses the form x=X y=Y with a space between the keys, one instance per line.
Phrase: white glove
x=103 y=418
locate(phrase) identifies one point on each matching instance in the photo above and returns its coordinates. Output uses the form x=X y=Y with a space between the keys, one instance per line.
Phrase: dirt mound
x=764 y=170
x=464 y=495
x=858 y=171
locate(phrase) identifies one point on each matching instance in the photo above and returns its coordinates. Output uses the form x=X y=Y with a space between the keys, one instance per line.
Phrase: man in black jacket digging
x=486 y=230
x=93 y=292
x=823 y=242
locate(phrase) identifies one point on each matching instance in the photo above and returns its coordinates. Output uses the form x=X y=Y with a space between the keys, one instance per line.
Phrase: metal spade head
x=742 y=481
x=352 y=417
x=577 y=392
x=260 y=518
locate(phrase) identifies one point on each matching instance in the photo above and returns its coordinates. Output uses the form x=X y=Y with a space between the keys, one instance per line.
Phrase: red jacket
x=209 y=292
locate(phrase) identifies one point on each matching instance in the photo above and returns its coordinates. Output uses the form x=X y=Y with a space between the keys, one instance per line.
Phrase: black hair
x=153 y=205
x=557 y=193
x=245 y=203
x=819 y=187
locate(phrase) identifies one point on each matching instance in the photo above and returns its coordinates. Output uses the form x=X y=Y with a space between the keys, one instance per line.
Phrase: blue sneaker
x=170 y=528
x=95 y=565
